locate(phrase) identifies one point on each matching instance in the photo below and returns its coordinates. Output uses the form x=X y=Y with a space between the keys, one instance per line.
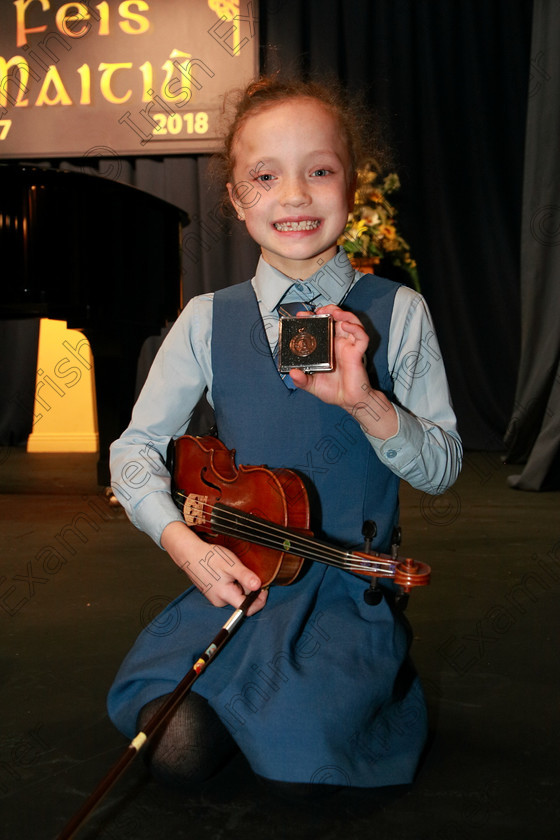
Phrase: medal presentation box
x=306 y=343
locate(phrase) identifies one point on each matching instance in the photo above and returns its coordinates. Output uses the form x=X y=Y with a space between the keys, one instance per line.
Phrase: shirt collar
x=330 y=283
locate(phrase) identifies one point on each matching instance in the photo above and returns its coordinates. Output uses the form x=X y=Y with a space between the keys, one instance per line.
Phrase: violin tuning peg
x=369 y=529
x=396 y=538
x=401 y=602
x=373 y=595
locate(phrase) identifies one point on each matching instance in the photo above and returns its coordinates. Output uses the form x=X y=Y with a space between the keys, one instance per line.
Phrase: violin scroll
x=409 y=573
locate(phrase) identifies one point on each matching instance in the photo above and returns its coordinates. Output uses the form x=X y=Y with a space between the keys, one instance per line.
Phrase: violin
x=262 y=515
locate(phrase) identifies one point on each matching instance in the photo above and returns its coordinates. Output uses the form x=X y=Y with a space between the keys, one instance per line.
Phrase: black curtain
x=533 y=436
x=449 y=83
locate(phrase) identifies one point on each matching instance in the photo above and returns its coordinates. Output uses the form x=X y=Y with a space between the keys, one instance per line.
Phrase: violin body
x=262 y=515
x=205 y=469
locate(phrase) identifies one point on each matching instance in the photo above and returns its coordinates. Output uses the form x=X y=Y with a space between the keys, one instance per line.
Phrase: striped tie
x=290 y=310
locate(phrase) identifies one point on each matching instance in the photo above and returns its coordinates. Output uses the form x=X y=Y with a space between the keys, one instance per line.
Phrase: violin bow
x=155 y=722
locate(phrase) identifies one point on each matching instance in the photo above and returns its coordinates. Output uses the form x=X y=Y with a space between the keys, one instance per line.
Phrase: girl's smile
x=296 y=225
x=293 y=156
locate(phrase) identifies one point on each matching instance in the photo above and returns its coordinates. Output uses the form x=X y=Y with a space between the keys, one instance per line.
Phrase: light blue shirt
x=426 y=450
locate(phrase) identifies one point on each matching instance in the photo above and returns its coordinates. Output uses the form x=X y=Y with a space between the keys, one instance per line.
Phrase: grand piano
x=103 y=256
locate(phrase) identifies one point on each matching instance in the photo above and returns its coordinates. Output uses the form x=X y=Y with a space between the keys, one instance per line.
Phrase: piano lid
x=80 y=247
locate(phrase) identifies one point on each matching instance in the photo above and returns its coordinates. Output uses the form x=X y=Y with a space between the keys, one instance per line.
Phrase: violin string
x=227 y=522
x=257 y=530
x=299 y=545
x=263 y=532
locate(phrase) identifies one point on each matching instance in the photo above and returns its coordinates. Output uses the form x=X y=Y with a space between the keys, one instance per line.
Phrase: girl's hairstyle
x=353 y=118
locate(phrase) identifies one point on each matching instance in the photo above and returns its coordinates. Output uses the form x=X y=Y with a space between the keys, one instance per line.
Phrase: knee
x=174 y=768
x=190 y=747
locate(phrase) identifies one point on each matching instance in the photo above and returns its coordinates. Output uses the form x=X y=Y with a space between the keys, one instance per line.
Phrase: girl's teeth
x=307 y=225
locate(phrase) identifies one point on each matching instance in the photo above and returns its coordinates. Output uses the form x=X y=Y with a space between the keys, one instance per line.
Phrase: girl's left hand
x=345 y=385
x=348 y=385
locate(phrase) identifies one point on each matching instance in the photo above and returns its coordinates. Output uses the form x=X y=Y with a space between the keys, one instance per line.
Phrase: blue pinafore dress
x=318 y=686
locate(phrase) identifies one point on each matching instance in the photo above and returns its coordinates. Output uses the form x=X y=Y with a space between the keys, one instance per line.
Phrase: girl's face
x=291 y=184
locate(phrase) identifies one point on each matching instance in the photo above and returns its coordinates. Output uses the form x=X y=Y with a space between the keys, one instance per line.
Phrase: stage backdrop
x=119 y=78
x=450 y=83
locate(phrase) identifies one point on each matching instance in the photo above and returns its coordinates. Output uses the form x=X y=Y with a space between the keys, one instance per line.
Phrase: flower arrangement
x=371 y=233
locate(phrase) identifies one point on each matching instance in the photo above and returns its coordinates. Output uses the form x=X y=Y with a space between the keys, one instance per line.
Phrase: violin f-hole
x=209 y=483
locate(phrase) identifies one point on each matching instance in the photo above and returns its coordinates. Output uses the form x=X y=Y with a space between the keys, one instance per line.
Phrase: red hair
x=268 y=91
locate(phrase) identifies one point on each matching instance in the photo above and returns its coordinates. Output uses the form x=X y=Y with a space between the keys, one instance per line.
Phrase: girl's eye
x=320 y=172
x=265 y=177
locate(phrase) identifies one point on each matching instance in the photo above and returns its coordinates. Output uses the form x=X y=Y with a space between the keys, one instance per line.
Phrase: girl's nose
x=295 y=192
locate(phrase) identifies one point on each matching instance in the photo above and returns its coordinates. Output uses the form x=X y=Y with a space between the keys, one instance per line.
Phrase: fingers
x=215 y=570
x=229 y=580
x=338 y=314
x=233 y=595
x=246 y=578
x=300 y=378
x=346 y=323
x=259 y=603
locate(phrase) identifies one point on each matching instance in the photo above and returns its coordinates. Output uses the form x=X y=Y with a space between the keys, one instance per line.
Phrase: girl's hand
x=216 y=571
x=348 y=386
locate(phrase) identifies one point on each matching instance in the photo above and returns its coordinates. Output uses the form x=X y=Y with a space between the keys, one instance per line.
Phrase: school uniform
x=318 y=686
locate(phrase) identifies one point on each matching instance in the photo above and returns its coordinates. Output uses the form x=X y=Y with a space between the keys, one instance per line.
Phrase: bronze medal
x=303 y=343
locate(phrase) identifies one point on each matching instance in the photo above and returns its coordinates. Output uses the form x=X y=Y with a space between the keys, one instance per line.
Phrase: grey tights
x=191 y=746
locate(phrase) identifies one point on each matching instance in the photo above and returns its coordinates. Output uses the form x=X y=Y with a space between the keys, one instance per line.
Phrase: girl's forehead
x=304 y=122
x=311 y=111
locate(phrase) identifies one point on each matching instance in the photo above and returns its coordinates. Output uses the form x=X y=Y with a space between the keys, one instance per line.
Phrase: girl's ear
x=235 y=204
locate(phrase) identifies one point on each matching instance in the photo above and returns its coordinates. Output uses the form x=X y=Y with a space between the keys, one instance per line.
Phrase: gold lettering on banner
x=176 y=88
x=228 y=10
x=19 y=62
x=85 y=76
x=147 y=81
x=21 y=8
x=74 y=19
x=134 y=24
x=60 y=97
x=103 y=9
x=64 y=20
x=185 y=81
x=106 y=76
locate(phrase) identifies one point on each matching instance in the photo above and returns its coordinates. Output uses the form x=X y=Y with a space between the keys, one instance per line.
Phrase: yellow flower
x=371 y=230
x=387 y=231
x=360 y=228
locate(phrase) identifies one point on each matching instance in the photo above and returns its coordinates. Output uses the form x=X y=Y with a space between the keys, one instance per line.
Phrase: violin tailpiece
x=193 y=510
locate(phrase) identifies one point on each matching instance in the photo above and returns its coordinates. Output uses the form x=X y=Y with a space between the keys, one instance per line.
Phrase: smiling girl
x=317 y=679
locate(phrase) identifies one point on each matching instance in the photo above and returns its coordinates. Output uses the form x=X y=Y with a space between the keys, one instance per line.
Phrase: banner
x=142 y=77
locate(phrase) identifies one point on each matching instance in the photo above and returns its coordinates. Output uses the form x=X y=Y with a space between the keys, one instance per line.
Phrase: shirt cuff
x=154 y=513
x=404 y=447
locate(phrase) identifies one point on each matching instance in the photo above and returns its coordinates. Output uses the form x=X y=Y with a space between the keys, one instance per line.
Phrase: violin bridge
x=193 y=510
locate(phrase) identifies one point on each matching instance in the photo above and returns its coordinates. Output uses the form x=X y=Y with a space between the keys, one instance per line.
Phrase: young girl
x=317 y=687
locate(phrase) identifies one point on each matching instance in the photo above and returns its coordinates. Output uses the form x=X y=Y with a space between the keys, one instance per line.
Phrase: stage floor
x=487 y=634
